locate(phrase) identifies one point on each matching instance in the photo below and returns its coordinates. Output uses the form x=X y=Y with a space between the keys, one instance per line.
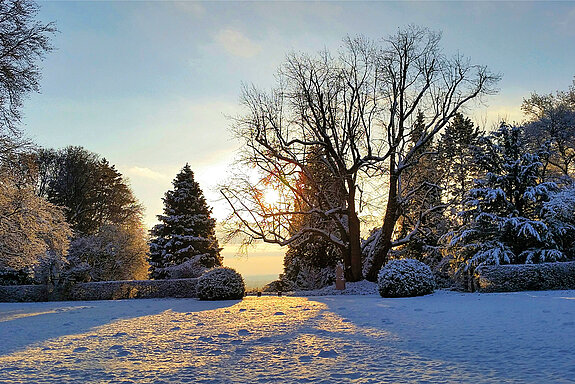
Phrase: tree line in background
x=379 y=127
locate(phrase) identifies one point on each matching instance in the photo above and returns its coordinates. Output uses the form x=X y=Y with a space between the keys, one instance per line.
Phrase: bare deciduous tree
x=359 y=108
x=23 y=42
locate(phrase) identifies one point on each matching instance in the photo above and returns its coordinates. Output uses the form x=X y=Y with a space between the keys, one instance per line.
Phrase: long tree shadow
x=24 y=324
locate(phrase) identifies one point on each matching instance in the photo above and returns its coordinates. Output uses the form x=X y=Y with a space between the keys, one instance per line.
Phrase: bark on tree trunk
x=383 y=244
x=353 y=271
x=355 y=247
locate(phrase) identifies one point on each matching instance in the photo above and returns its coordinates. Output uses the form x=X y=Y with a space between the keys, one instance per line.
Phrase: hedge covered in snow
x=221 y=284
x=102 y=290
x=17 y=293
x=525 y=277
x=133 y=289
x=405 y=278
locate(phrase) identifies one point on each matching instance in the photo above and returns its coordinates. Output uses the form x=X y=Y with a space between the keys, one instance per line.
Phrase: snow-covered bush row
x=405 y=278
x=130 y=289
x=526 y=277
x=18 y=293
x=102 y=290
x=221 y=284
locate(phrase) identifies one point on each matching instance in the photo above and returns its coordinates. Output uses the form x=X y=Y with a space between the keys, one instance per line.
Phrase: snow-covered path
x=442 y=338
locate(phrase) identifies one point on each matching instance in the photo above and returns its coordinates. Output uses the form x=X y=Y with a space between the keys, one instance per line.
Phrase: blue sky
x=148 y=85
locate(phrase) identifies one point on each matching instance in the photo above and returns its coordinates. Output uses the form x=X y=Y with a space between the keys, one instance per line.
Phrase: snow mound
x=221 y=284
x=405 y=278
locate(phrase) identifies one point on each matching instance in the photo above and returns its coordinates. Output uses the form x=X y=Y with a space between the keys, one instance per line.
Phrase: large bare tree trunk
x=383 y=242
x=354 y=247
x=352 y=256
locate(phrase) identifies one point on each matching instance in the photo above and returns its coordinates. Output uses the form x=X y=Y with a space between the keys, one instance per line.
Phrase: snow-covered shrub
x=405 y=278
x=221 y=284
x=279 y=285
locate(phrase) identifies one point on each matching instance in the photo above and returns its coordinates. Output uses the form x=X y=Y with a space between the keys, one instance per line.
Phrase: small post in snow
x=339 y=277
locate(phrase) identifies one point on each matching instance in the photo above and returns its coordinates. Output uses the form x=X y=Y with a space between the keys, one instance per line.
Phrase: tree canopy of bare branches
x=23 y=42
x=356 y=109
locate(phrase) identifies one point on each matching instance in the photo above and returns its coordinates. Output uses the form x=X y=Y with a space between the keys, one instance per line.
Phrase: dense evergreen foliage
x=505 y=220
x=186 y=232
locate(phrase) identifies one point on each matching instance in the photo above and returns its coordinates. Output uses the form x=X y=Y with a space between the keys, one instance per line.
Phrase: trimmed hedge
x=103 y=290
x=525 y=277
x=18 y=293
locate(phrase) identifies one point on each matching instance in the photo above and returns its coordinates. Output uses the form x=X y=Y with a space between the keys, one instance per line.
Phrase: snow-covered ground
x=446 y=337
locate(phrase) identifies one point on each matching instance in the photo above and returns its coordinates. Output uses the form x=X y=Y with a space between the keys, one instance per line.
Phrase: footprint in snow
x=279 y=314
x=200 y=324
x=224 y=335
x=116 y=346
x=80 y=349
x=175 y=329
x=305 y=358
x=264 y=339
x=236 y=342
x=329 y=353
x=119 y=334
x=243 y=309
x=123 y=353
x=244 y=332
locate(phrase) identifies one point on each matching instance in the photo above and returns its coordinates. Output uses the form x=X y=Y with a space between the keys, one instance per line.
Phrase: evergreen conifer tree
x=505 y=216
x=421 y=206
x=456 y=163
x=185 y=240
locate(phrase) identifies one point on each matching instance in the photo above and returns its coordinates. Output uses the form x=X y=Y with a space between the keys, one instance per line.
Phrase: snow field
x=446 y=337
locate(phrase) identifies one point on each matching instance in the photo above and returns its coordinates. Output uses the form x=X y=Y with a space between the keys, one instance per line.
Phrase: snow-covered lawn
x=446 y=337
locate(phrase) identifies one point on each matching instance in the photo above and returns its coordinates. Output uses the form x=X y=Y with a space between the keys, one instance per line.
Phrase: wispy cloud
x=145 y=173
x=566 y=21
x=237 y=44
x=190 y=7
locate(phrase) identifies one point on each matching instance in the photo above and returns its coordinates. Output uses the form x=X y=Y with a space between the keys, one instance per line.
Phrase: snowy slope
x=446 y=337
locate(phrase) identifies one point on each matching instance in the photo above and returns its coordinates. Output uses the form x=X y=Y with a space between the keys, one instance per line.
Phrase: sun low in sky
x=152 y=85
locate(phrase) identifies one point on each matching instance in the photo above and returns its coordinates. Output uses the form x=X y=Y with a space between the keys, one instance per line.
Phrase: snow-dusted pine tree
x=184 y=244
x=505 y=216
